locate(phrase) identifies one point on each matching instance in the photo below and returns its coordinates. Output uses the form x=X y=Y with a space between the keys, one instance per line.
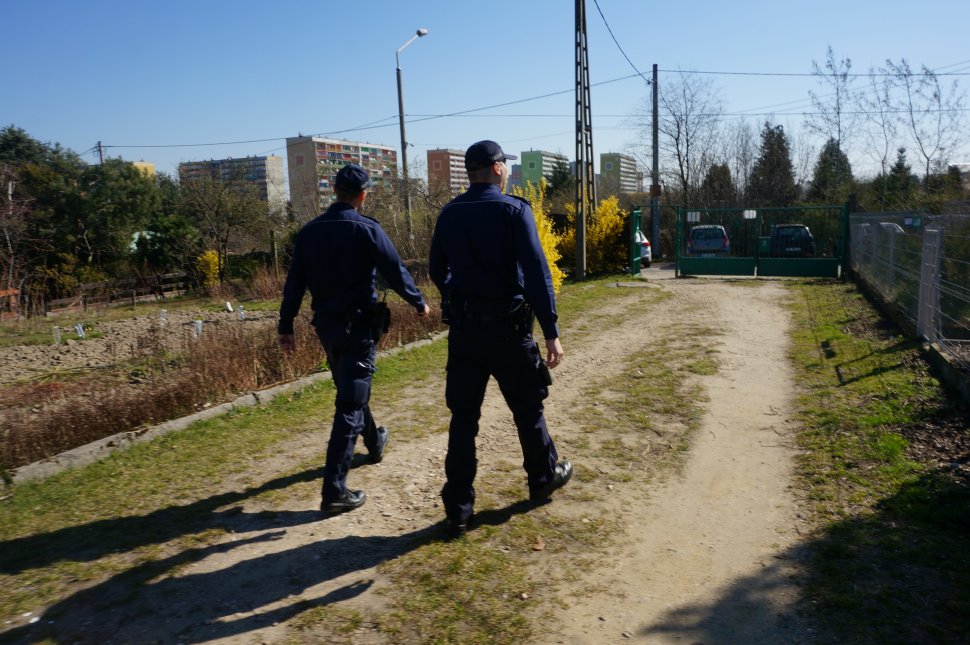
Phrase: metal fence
x=920 y=265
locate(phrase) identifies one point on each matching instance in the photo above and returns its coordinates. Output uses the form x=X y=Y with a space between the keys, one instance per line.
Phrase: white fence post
x=928 y=320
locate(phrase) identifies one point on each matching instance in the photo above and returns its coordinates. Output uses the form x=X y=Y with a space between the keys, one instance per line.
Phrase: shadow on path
x=895 y=576
x=152 y=602
x=91 y=541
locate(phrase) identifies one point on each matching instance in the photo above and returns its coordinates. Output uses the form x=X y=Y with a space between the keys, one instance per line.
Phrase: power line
x=645 y=79
x=380 y=123
x=800 y=74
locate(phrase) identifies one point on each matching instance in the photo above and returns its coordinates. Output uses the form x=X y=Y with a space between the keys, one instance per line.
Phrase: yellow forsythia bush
x=549 y=240
x=207 y=265
x=607 y=250
x=607 y=247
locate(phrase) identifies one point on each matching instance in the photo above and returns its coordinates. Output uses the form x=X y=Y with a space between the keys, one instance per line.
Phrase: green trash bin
x=764 y=246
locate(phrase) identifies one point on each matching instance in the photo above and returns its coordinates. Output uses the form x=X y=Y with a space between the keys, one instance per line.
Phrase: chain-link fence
x=920 y=265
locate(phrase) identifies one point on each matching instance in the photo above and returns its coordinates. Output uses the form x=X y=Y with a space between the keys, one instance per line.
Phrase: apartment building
x=515 y=177
x=264 y=175
x=537 y=164
x=313 y=163
x=618 y=175
x=147 y=168
x=446 y=167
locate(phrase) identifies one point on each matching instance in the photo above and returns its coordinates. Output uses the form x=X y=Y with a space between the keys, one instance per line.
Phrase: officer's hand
x=287 y=343
x=554 y=352
x=424 y=312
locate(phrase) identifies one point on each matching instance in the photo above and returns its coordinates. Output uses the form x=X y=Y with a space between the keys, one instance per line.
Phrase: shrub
x=607 y=249
x=547 y=237
x=207 y=266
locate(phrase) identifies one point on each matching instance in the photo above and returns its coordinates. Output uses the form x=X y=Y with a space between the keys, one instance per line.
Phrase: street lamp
x=404 y=142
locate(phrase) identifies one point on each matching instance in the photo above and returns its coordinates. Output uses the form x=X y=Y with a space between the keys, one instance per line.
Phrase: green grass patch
x=462 y=592
x=889 y=563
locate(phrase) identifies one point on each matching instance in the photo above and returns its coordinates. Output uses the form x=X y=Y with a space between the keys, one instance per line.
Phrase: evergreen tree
x=19 y=149
x=772 y=181
x=717 y=189
x=897 y=190
x=832 y=180
x=561 y=188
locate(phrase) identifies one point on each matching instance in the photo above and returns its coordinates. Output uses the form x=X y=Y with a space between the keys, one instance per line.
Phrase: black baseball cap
x=483 y=154
x=352 y=179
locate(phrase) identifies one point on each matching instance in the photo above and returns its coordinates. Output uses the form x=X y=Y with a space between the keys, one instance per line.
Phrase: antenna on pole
x=585 y=179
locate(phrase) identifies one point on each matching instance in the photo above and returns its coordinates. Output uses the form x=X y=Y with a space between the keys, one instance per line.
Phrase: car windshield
x=706 y=233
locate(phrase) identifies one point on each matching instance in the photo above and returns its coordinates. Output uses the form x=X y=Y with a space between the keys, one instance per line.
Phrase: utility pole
x=10 y=185
x=100 y=153
x=585 y=178
x=406 y=192
x=655 y=184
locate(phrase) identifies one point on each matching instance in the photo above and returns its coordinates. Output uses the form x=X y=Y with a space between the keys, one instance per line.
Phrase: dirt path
x=704 y=558
x=699 y=562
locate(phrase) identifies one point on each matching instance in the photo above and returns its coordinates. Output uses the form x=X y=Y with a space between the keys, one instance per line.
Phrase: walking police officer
x=336 y=257
x=489 y=266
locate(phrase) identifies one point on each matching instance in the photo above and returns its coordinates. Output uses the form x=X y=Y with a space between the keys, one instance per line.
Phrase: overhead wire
x=617 y=43
x=388 y=121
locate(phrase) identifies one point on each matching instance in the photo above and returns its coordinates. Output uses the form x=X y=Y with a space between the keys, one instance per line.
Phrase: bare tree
x=689 y=122
x=230 y=216
x=875 y=106
x=13 y=230
x=739 y=151
x=831 y=118
x=804 y=153
x=930 y=114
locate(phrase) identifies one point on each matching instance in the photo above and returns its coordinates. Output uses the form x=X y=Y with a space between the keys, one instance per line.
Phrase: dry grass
x=69 y=409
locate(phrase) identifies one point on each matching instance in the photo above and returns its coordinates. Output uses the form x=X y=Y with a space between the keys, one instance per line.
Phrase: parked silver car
x=708 y=240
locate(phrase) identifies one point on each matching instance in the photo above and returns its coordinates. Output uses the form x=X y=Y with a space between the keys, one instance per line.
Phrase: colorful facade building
x=313 y=163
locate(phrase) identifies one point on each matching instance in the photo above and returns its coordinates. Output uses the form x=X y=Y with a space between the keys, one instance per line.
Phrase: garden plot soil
x=703 y=556
x=119 y=341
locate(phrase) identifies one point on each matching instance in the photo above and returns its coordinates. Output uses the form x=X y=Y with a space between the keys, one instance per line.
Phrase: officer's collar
x=484 y=186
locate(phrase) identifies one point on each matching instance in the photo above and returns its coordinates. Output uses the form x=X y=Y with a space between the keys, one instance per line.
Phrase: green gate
x=803 y=241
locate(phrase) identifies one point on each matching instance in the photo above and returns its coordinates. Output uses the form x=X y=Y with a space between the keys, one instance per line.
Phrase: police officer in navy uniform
x=336 y=257
x=487 y=262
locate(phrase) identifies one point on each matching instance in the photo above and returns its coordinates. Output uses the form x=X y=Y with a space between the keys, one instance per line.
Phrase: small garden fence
x=919 y=265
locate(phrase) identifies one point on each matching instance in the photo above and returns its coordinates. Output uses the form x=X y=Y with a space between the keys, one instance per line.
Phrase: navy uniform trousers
x=476 y=352
x=351 y=353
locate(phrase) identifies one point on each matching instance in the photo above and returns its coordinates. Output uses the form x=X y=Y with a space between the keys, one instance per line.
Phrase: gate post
x=636 y=238
x=678 y=239
x=842 y=252
x=928 y=317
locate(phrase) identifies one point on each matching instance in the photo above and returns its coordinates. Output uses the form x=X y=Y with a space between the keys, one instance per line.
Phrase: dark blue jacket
x=337 y=256
x=486 y=248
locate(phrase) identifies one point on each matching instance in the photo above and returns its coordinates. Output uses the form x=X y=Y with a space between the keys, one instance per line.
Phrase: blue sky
x=146 y=78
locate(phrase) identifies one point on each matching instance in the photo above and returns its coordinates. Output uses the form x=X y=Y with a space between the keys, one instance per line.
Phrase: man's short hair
x=480 y=175
x=346 y=195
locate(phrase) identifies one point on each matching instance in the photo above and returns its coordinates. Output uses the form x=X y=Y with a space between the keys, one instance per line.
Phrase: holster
x=523 y=317
x=378 y=317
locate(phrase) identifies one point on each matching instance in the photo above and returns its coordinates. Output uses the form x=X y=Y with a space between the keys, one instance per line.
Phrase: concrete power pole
x=585 y=178
x=100 y=153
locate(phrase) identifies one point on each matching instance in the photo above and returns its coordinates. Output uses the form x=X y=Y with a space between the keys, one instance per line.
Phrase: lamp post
x=404 y=141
